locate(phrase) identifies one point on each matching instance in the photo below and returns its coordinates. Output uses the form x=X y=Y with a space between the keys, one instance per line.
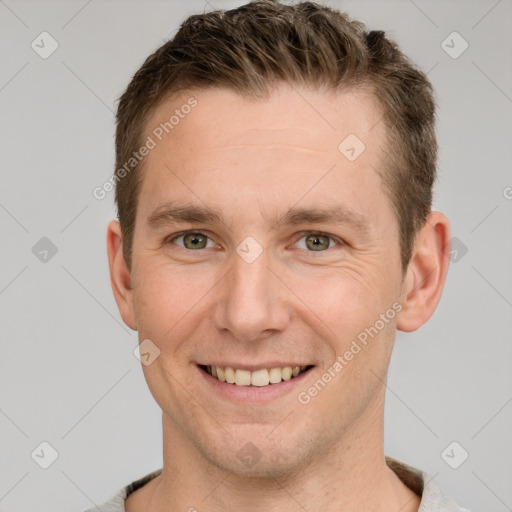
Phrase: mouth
x=261 y=377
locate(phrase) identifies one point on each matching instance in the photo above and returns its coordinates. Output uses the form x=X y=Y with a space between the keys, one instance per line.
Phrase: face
x=260 y=246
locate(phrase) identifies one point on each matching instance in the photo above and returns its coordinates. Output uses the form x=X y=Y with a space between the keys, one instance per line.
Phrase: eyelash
x=303 y=234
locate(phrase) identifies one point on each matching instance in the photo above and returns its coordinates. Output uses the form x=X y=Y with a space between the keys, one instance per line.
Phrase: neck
x=350 y=475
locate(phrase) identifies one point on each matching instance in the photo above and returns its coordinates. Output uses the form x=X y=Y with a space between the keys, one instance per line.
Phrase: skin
x=252 y=160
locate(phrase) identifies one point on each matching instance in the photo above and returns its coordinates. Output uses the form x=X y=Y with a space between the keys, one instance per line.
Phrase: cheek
x=350 y=302
x=170 y=301
x=345 y=298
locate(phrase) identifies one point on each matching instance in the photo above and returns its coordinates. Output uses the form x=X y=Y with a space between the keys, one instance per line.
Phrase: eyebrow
x=174 y=213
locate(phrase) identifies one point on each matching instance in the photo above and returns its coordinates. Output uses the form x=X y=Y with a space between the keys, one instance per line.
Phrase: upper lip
x=255 y=367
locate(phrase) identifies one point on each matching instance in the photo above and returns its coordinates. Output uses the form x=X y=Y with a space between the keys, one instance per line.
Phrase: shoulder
x=130 y=497
x=138 y=499
x=432 y=499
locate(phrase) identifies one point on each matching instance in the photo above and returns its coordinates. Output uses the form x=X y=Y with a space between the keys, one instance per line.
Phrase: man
x=274 y=173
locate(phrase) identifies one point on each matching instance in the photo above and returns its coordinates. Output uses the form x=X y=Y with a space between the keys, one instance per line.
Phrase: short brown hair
x=254 y=48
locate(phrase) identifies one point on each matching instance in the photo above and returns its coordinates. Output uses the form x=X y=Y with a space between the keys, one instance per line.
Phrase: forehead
x=317 y=120
x=293 y=144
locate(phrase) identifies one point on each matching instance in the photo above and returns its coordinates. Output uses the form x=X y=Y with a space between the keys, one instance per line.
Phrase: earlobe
x=426 y=273
x=120 y=275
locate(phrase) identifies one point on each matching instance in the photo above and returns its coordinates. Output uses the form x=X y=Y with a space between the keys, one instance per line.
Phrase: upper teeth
x=261 y=377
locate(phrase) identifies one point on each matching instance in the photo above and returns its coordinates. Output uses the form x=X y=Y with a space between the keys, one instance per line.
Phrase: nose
x=252 y=301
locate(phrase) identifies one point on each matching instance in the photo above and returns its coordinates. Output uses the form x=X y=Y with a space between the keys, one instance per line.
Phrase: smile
x=259 y=378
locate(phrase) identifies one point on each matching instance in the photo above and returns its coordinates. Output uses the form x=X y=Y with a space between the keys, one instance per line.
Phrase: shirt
x=432 y=500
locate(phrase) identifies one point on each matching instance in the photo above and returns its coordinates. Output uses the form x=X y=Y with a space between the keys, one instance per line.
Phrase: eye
x=313 y=241
x=192 y=240
x=317 y=241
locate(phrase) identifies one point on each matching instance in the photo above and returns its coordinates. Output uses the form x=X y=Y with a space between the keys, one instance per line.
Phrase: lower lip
x=253 y=394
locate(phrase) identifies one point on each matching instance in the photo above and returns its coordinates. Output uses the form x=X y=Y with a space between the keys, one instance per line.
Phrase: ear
x=120 y=275
x=426 y=273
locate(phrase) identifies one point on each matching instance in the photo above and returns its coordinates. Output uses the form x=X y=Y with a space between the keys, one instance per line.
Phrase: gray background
x=67 y=372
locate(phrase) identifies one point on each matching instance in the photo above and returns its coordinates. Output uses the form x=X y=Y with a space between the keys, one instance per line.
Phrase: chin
x=251 y=452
